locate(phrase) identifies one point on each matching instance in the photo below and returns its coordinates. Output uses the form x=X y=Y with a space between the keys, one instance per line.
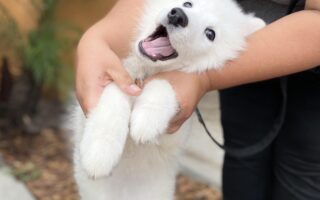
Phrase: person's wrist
x=89 y=40
x=205 y=83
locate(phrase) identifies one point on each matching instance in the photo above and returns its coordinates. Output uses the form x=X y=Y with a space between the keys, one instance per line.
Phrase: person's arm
x=99 y=52
x=312 y=5
x=287 y=46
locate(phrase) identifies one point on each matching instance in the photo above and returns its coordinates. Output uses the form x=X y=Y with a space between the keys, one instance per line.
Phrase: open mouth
x=157 y=46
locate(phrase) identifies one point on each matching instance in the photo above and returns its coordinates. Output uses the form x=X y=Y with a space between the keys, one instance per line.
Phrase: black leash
x=262 y=144
x=202 y=122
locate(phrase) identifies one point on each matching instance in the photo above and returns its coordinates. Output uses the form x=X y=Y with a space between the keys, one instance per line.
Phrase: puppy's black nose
x=178 y=17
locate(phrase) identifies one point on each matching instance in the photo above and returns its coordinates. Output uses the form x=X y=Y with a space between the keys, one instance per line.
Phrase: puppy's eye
x=187 y=4
x=211 y=35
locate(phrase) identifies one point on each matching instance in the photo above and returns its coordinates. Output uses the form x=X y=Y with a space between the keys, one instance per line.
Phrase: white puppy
x=122 y=150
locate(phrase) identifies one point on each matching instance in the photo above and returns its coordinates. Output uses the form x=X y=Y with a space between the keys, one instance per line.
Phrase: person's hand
x=189 y=90
x=97 y=66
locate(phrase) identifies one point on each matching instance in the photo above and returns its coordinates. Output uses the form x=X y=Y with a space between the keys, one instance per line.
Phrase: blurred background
x=37 y=46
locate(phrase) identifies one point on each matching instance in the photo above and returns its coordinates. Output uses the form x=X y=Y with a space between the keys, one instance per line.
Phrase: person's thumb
x=122 y=78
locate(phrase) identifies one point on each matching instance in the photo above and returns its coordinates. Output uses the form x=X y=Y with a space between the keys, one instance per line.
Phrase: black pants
x=288 y=169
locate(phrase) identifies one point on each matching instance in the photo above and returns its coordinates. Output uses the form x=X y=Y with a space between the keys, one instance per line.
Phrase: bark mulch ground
x=43 y=162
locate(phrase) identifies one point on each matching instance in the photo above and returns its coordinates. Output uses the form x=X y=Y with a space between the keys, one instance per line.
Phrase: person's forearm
x=312 y=5
x=289 y=45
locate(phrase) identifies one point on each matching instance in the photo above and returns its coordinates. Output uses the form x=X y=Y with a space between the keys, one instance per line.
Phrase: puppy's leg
x=152 y=111
x=105 y=133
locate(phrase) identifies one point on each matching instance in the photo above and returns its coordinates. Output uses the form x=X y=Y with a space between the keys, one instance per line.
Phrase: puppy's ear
x=254 y=24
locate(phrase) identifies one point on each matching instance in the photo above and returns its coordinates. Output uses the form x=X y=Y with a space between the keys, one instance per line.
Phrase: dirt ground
x=43 y=162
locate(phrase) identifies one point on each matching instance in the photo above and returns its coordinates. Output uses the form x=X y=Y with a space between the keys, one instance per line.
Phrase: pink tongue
x=158 y=47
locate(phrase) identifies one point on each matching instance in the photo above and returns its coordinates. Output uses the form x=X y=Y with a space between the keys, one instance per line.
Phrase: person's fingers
x=89 y=88
x=87 y=104
x=88 y=96
x=178 y=120
x=173 y=130
x=122 y=78
x=175 y=124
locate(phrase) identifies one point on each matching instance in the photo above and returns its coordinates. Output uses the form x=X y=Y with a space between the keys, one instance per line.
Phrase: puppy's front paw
x=152 y=112
x=105 y=133
x=99 y=156
x=145 y=127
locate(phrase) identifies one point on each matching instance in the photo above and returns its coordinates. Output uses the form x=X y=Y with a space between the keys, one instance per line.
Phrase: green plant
x=43 y=52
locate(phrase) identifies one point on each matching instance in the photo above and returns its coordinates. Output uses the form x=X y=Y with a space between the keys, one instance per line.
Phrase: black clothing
x=289 y=168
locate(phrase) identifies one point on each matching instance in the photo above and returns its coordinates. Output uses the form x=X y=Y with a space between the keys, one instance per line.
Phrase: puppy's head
x=197 y=35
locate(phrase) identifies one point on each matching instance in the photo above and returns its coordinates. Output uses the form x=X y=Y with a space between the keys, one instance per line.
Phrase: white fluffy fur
x=121 y=150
